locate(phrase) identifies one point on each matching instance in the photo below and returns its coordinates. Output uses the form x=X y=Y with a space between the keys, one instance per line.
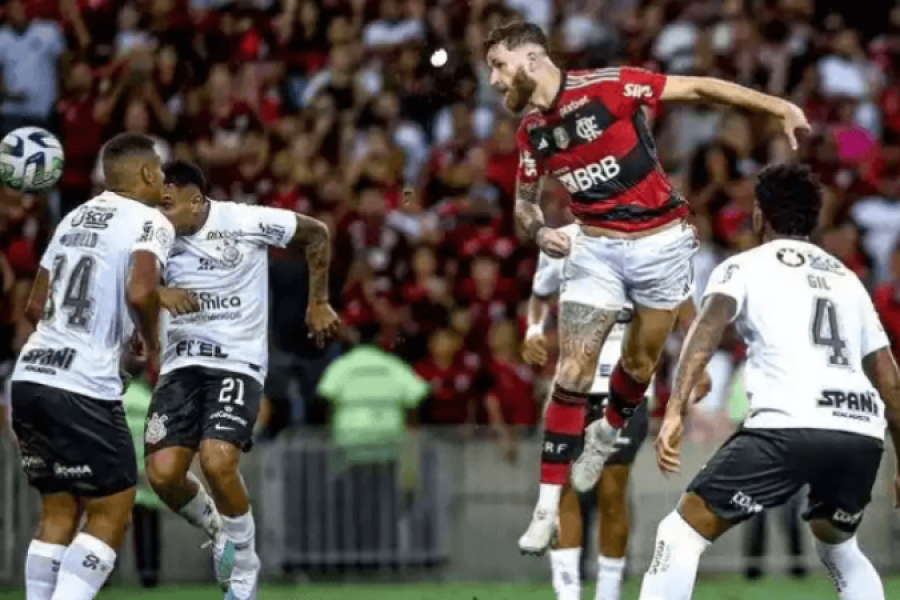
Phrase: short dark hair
x=182 y=173
x=125 y=145
x=789 y=197
x=515 y=34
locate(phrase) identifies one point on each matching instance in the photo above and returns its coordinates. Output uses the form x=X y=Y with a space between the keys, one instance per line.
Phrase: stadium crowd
x=376 y=117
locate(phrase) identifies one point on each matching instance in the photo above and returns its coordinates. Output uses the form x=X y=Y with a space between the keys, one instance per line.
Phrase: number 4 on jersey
x=826 y=332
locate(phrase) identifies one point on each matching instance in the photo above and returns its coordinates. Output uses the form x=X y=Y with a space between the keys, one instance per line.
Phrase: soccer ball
x=31 y=159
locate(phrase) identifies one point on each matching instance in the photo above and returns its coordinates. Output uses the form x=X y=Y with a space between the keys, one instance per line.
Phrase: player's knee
x=575 y=374
x=639 y=365
x=58 y=525
x=163 y=472
x=219 y=459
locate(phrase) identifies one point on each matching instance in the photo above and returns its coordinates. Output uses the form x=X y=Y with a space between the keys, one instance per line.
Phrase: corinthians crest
x=156 y=429
x=561 y=138
x=230 y=254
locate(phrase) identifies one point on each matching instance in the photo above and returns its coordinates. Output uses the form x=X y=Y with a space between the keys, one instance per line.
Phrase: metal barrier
x=448 y=507
x=324 y=506
x=18 y=514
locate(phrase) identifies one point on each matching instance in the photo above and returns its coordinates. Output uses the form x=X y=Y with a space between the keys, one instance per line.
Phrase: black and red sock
x=625 y=395
x=563 y=428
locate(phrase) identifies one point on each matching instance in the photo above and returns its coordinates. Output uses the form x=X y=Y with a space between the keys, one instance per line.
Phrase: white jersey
x=808 y=322
x=79 y=342
x=226 y=263
x=548 y=278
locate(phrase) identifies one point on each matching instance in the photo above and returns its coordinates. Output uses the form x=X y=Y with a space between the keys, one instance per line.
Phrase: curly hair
x=789 y=196
x=515 y=34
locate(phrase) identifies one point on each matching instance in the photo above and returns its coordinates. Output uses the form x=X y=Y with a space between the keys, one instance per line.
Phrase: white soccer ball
x=31 y=159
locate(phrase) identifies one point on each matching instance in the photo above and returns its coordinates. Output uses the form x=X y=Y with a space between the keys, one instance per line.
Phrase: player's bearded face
x=519 y=93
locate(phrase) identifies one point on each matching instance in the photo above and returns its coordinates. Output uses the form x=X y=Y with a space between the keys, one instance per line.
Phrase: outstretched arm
x=312 y=235
x=702 y=341
x=680 y=88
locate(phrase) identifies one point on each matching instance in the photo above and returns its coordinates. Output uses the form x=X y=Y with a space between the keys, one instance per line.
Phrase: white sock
x=853 y=575
x=41 y=569
x=200 y=511
x=676 y=556
x=548 y=497
x=85 y=567
x=565 y=565
x=609 y=577
x=241 y=531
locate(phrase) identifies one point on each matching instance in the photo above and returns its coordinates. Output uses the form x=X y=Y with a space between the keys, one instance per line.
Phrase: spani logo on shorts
x=156 y=429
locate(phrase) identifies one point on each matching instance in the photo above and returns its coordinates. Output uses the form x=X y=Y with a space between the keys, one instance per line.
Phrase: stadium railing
x=443 y=507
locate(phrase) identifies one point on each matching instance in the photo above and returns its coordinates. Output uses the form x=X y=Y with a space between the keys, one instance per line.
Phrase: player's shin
x=564 y=564
x=85 y=567
x=625 y=395
x=200 y=511
x=41 y=569
x=563 y=426
x=676 y=556
x=852 y=573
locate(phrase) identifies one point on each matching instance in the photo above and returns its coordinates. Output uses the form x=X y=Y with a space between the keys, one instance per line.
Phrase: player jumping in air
x=587 y=129
x=612 y=487
x=214 y=361
x=822 y=384
x=103 y=263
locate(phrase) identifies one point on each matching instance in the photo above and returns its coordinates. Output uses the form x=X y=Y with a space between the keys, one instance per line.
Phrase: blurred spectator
x=29 y=51
x=887 y=301
x=372 y=397
x=510 y=403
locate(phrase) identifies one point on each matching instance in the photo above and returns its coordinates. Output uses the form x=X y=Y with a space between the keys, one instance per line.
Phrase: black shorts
x=631 y=438
x=196 y=403
x=71 y=443
x=758 y=469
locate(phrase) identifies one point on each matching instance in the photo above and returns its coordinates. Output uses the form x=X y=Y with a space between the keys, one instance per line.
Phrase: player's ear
x=147 y=175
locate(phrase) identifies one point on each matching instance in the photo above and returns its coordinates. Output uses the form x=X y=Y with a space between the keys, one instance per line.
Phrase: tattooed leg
x=583 y=330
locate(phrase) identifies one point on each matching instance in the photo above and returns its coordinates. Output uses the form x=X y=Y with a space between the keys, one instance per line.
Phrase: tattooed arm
x=312 y=235
x=702 y=342
x=529 y=215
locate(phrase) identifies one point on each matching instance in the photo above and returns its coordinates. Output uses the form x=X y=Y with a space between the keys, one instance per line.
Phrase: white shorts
x=654 y=271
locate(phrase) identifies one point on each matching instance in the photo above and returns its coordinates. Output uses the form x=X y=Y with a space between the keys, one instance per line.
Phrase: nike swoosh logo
x=241 y=546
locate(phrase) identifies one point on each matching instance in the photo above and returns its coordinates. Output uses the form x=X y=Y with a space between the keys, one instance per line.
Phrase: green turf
x=711 y=588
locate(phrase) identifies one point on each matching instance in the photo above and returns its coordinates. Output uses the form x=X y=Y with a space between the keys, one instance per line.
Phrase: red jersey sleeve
x=640 y=87
x=530 y=169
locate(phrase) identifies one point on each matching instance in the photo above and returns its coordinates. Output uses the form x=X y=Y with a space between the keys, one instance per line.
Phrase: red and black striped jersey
x=595 y=140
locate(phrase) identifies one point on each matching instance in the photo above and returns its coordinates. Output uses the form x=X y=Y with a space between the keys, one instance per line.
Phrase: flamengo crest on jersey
x=226 y=264
x=79 y=341
x=808 y=323
x=595 y=140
